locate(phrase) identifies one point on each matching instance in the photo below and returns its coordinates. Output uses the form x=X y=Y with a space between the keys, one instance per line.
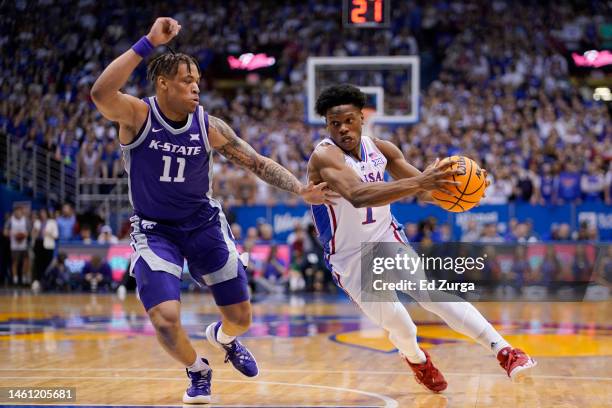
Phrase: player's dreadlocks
x=167 y=64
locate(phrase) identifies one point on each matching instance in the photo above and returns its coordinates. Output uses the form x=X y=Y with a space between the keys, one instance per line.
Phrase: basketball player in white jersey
x=354 y=165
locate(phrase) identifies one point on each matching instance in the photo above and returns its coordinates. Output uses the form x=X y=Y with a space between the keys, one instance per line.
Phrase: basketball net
x=369 y=120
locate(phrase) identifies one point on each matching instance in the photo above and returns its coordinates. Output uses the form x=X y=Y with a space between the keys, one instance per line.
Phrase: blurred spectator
x=251 y=238
x=411 y=230
x=5 y=255
x=17 y=229
x=97 y=275
x=521 y=268
x=472 y=232
x=296 y=278
x=236 y=231
x=57 y=276
x=603 y=273
x=89 y=168
x=586 y=232
x=592 y=184
x=582 y=268
x=561 y=232
x=274 y=273
x=548 y=269
x=110 y=163
x=490 y=235
x=66 y=223
x=266 y=233
x=106 y=236
x=549 y=185
x=569 y=184
x=298 y=240
x=524 y=232
x=85 y=234
x=45 y=234
x=608 y=185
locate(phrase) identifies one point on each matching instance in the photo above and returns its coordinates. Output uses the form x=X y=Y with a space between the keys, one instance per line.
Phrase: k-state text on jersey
x=172 y=148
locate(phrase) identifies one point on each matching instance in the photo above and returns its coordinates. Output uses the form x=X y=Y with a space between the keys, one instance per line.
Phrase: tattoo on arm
x=242 y=154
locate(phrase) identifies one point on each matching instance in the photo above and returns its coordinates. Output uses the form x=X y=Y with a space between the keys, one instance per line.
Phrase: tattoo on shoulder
x=242 y=154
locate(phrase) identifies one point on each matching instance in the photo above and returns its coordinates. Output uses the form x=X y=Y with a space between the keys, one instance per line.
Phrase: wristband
x=143 y=47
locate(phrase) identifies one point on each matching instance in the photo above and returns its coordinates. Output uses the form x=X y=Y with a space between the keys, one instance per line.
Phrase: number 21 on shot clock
x=366 y=13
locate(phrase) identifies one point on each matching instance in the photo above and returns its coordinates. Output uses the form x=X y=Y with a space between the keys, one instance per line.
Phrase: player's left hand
x=318 y=194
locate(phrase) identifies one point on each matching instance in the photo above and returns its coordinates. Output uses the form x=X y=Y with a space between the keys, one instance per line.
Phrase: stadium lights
x=602 y=94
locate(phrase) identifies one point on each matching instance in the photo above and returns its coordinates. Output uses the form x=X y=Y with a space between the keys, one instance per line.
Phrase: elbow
x=96 y=93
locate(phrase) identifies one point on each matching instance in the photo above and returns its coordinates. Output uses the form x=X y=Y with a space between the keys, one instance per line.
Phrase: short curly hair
x=336 y=95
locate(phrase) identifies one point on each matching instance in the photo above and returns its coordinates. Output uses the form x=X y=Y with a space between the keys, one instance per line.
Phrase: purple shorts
x=207 y=244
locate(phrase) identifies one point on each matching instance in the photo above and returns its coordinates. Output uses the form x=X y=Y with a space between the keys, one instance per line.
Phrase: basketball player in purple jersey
x=354 y=165
x=167 y=143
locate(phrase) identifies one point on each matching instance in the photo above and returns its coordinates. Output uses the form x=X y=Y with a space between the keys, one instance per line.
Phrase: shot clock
x=366 y=13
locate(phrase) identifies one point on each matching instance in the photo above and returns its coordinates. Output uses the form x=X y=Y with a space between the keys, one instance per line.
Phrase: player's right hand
x=163 y=30
x=439 y=177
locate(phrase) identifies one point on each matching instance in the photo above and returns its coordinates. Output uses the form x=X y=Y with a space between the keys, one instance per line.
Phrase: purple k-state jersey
x=169 y=170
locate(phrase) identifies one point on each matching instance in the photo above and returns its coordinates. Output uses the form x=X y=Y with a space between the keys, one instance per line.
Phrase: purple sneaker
x=236 y=352
x=199 y=390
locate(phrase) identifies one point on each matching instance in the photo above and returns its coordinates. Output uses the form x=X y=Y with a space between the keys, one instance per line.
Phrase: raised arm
x=129 y=111
x=327 y=162
x=223 y=139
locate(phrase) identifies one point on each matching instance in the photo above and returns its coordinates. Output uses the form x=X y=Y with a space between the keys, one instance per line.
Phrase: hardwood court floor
x=311 y=352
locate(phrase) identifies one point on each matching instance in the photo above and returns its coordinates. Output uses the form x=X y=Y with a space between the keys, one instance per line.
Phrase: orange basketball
x=469 y=192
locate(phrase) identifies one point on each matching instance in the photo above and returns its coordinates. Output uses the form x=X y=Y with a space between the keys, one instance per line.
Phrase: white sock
x=418 y=358
x=224 y=338
x=464 y=318
x=498 y=345
x=198 y=365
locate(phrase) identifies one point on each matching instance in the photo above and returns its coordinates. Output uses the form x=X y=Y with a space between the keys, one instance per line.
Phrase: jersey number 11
x=180 y=175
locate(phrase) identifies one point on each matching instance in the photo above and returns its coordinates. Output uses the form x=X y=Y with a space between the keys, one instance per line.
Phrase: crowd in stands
x=503 y=95
x=32 y=255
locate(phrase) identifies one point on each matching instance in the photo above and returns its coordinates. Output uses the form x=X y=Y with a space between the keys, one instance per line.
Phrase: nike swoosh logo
x=156 y=130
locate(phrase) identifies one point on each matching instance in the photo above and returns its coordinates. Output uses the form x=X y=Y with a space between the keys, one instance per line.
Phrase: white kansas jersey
x=341 y=227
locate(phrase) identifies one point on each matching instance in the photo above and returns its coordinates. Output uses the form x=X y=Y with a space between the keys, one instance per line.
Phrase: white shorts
x=348 y=275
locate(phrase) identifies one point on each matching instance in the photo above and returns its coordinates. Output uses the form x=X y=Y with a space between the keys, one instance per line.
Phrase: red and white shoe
x=516 y=362
x=428 y=375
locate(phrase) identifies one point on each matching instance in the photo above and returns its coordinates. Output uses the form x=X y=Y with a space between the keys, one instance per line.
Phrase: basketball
x=469 y=192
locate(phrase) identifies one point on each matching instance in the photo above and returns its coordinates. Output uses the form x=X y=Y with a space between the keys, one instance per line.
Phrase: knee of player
x=398 y=320
x=166 y=323
x=241 y=319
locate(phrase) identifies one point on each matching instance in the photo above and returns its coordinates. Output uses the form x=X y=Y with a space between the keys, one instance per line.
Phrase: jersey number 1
x=369 y=217
x=180 y=175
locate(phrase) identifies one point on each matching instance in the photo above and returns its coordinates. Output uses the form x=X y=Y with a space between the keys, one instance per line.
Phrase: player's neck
x=168 y=113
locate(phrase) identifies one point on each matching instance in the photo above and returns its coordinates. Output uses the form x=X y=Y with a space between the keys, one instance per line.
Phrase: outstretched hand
x=439 y=176
x=163 y=31
x=318 y=194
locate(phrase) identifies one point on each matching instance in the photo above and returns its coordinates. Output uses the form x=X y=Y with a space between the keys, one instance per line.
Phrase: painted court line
x=281 y=370
x=388 y=402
